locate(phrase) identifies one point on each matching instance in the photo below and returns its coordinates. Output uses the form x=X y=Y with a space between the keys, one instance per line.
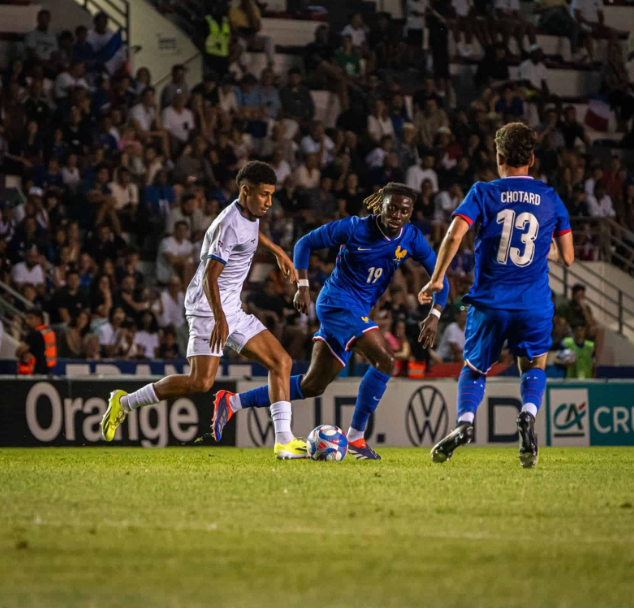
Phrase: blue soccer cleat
x=361 y=450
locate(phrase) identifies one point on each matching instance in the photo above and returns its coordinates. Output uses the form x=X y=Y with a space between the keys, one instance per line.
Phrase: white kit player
x=215 y=316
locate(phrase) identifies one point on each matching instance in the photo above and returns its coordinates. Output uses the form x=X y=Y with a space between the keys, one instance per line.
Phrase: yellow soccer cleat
x=114 y=415
x=295 y=448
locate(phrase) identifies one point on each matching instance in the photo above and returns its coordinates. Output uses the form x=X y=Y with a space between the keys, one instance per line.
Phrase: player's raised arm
x=329 y=235
x=283 y=261
x=448 y=249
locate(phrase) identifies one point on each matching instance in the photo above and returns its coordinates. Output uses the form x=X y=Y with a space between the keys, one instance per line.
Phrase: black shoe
x=529 y=452
x=461 y=435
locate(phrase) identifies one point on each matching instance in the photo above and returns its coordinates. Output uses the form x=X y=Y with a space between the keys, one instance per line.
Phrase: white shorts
x=242 y=327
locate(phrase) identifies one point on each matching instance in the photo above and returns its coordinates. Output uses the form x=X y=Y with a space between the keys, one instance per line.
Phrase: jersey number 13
x=519 y=258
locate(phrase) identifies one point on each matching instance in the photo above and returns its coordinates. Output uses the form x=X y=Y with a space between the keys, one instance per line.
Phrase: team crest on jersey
x=364 y=319
x=399 y=254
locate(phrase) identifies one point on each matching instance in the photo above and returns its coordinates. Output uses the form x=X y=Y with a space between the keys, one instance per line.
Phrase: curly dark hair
x=374 y=202
x=256 y=172
x=516 y=143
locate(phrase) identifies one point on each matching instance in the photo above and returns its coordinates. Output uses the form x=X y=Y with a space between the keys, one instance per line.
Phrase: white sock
x=531 y=408
x=281 y=414
x=235 y=402
x=354 y=435
x=144 y=396
x=467 y=417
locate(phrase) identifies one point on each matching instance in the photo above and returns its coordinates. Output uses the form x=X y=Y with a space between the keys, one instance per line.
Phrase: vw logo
x=258 y=430
x=426 y=416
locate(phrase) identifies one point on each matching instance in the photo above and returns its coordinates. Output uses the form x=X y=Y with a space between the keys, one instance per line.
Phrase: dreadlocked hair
x=374 y=202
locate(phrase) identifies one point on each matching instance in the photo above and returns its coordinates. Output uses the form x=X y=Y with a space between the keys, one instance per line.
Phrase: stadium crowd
x=119 y=181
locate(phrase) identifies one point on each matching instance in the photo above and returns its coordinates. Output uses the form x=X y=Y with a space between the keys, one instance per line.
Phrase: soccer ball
x=327 y=442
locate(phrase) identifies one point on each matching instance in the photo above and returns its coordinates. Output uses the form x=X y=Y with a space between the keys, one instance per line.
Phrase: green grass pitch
x=190 y=527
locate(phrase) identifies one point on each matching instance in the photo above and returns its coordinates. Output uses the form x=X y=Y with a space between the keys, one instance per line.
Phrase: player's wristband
x=435 y=312
x=302 y=283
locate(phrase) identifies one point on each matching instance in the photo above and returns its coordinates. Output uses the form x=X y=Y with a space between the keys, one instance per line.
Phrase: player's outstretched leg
x=471 y=385
x=532 y=387
x=265 y=349
x=373 y=347
x=199 y=380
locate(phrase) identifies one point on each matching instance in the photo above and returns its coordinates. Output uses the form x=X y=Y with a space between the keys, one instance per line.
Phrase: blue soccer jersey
x=518 y=218
x=365 y=266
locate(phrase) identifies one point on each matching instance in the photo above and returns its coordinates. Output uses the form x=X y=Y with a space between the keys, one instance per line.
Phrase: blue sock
x=532 y=387
x=470 y=393
x=371 y=390
x=259 y=397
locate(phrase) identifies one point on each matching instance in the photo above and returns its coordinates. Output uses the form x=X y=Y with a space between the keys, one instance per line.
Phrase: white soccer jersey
x=232 y=239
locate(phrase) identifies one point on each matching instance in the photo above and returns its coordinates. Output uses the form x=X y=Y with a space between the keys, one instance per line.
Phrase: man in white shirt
x=28 y=272
x=178 y=120
x=317 y=142
x=100 y=35
x=172 y=300
x=147 y=120
x=534 y=74
x=356 y=30
x=40 y=43
x=71 y=79
x=453 y=339
x=600 y=204
x=175 y=255
x=416 y=175
x=216 y=318
x=124 y=191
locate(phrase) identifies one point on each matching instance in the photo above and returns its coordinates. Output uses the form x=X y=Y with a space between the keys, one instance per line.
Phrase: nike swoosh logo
x=363 y=249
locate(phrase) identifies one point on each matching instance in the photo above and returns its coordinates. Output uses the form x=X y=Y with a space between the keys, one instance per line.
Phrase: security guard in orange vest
x=38 y=353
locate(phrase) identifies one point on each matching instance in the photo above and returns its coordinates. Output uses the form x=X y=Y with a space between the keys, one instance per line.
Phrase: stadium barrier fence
x=67 y=412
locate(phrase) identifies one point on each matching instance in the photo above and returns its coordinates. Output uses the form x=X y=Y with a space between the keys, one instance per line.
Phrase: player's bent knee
x=199 y=384
x=386 y=363
x=281 y=364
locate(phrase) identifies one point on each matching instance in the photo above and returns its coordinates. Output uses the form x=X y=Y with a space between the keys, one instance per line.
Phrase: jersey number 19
x=507 y=217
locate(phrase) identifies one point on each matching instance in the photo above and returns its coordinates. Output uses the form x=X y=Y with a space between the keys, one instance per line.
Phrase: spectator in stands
x=397 y=339
x=113 y=338
x=178 y=120
x=465 y=21
x=615 y=83
x=348 y=59
x=493 y=68
x=297 y=102
x=69 y=80
x=308 y=174
x=438 y=14
x=69 y=301
x=453 y=339
x=428 y=121
x=600 y=203
x=415 y=28
x=591 y=19
x=71 y=343
x=269 y=95
x=219 y=54
x=268 y=306
x=193 y=168
x=146 y=339
x=534 y=76
x=383 y=42
x=40 y=43
x=175 y=256
x=246 y=22
x=417 y=174
x=144 y=115
x=29 y=272
x=379 y=122
x=168 y=348
x=509 y=104
x=177 y=87
x=581 y=365
x=554 y=18
x=571 y=129
x=186 y=212
x=104 y=245
x=511 y=23
x=406 y=148
x=578 y=312
x=170 y=305
x=317 y=142
x=82 y=51
x=321 y=69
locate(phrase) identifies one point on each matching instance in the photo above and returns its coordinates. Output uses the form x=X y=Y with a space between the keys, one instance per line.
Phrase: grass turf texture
x=226 y=527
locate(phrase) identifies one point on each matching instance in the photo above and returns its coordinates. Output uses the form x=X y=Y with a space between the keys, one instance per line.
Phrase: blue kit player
x=510 y=298
x=370 y=251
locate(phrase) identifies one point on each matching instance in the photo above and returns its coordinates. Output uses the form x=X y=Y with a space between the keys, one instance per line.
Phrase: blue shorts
x=528 y=333
x=340 y=327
